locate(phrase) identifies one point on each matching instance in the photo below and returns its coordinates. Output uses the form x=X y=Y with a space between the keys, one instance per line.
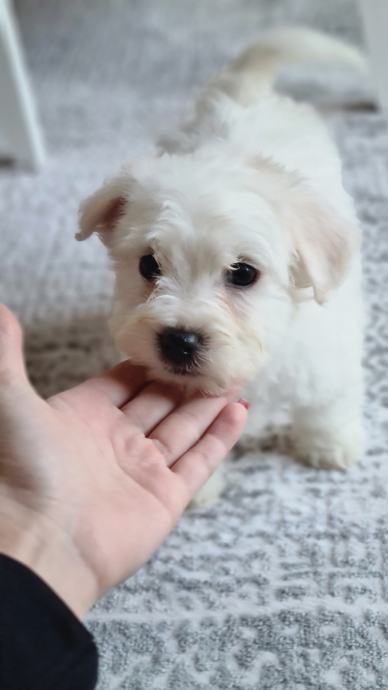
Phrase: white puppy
x=236 y=252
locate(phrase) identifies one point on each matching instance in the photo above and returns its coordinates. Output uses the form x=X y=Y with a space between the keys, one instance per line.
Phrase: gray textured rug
x=283 y=584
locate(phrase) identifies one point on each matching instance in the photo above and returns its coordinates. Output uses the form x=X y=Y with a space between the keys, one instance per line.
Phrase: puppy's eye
x=241 y=275
x=149 y=267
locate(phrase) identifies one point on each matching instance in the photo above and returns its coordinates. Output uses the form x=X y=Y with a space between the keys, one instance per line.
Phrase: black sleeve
x=43 y=646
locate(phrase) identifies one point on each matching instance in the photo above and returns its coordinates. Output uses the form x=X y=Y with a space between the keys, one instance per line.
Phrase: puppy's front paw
x=330 y=448
x=211 y=491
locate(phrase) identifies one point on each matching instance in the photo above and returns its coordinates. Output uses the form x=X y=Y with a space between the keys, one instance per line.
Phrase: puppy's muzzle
x=180 y=348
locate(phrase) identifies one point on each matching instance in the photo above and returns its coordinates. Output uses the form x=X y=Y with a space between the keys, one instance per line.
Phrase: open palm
x=110 y=464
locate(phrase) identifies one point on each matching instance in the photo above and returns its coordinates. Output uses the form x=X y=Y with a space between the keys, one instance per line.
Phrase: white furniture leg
x=20 y=134
x=374 y=14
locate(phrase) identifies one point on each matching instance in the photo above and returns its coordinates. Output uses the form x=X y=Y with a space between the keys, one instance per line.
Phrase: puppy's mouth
x=182 y=370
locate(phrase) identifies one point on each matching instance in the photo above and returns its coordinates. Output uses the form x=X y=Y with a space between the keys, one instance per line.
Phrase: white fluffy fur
x=252 y=176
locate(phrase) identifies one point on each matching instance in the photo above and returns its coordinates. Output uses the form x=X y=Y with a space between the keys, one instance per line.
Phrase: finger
x=119 y=384
x=153 y=404
x=180 y=430
x=12 y=367
x=196 y=466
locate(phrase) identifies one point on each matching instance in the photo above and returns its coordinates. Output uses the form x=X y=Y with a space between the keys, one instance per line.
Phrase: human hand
x=93 y=479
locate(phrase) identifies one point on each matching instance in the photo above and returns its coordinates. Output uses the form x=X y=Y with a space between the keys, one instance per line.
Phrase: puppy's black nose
x=178 y=346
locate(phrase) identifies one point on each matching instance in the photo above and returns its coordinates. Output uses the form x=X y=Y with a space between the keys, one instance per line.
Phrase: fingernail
x=244 y=403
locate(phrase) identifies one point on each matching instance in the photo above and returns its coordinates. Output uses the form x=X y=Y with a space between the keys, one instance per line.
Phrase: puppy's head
x=209 y=255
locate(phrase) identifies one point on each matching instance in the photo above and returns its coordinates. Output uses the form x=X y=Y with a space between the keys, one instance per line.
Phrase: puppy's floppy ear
x=101 y=211
x=322 y=243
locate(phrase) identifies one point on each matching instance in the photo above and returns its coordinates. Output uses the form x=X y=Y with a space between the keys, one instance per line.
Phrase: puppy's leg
x=330 y=434
x=211 y=491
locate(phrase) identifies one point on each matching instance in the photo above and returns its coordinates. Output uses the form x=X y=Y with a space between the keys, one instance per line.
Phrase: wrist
x=34 y=540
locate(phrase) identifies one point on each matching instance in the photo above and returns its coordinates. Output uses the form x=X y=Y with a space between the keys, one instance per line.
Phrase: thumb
x=12 y=367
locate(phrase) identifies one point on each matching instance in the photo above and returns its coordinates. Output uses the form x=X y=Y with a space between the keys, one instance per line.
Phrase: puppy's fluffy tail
x=255 y=69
